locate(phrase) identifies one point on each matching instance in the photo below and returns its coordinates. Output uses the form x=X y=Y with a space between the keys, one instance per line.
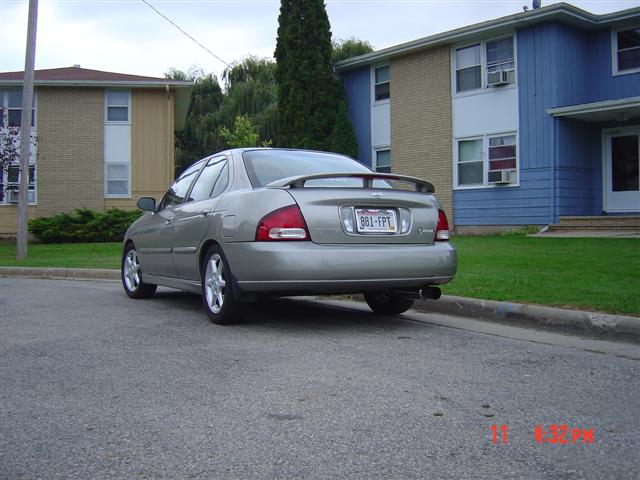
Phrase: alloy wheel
x=132 y=271
x=215 y=283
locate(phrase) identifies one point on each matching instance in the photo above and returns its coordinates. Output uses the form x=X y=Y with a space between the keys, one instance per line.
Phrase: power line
x=183 y=32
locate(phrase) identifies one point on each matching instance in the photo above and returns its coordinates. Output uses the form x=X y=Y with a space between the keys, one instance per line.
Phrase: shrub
x=84 y=225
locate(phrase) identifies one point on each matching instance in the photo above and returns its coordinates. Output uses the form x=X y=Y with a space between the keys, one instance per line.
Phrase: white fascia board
x=633 y=102
x=559 y=11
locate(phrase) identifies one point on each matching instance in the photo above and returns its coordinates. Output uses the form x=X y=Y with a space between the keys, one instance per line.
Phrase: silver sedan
x=245 y=223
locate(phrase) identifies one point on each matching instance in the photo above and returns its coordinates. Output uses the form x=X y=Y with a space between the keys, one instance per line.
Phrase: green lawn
x=69 y=255
x=587 y=273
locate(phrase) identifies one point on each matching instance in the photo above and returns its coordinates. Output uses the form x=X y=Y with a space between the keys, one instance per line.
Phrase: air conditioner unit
x=501 y=77
x=502 y=177
x=12 y=195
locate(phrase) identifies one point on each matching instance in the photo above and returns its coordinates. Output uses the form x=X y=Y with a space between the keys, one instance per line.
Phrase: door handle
x=206 y=212
x=168 y=220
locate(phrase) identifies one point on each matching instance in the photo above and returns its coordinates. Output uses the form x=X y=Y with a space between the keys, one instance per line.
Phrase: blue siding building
x=545 y=108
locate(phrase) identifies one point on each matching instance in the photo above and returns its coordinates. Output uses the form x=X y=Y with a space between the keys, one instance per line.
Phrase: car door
x=154 y=235
x=192 y=218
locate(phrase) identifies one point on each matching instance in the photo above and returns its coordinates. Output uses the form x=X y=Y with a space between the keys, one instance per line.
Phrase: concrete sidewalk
x=592 y=323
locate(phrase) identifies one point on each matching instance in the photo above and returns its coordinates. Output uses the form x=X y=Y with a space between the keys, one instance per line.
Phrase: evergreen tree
x=309 y=94
x=343 y=137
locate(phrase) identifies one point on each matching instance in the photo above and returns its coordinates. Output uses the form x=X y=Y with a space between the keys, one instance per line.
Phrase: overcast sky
x=129 y=37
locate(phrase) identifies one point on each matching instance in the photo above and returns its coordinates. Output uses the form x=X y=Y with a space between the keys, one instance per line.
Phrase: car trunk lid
x=352 y=214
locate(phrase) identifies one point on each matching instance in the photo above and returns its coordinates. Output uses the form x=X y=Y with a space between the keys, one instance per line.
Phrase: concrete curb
x=61 y=273
x=536 y=315
x=486 y=310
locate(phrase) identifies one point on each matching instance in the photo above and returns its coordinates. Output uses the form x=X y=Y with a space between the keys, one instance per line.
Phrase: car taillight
x=442 y=229
x=283 y=224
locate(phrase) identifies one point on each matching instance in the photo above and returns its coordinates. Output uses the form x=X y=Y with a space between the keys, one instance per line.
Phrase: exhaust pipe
x=427 y=293
x=430 y=293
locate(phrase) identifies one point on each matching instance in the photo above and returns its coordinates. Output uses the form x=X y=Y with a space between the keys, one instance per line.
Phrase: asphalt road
x=95 y=385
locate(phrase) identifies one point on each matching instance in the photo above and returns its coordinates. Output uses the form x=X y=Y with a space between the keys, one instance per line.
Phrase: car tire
x=131 y=275
x=218 y=296
x=383 y=303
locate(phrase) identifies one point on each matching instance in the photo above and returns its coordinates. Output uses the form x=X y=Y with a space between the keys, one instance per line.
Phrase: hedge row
x=84 y=226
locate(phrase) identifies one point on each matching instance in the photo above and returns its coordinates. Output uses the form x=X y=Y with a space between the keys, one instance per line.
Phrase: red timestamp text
x=553 y=434
x=561 y=434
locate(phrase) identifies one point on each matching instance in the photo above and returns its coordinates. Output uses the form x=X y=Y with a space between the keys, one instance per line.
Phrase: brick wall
x=70 y=131
x=421 y=124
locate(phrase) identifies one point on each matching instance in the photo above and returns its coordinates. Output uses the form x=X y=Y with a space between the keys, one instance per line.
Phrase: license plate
x=369 y=220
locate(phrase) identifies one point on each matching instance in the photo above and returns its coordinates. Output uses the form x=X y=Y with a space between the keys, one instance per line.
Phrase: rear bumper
x=306 y=267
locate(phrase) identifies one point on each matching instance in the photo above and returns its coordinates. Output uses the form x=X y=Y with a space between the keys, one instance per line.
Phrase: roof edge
x=594 y=107
x=104 y=83
x=521 y=18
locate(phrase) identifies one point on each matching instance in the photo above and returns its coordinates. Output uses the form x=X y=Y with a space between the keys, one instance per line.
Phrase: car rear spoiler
x=367 y=177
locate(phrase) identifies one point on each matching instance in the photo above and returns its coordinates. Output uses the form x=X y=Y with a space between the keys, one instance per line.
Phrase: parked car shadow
x=289 y=314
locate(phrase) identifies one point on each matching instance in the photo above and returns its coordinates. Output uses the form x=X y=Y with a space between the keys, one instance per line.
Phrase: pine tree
x=309 y=94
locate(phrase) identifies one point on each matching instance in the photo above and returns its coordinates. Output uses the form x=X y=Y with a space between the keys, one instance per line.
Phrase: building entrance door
x=621 y=170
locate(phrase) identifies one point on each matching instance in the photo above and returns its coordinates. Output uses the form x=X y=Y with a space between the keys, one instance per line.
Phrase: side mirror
x=147 y=203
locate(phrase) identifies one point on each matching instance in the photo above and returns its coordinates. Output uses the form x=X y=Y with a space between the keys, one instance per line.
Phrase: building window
x=500 y=59
x=117 y=106
x=382 y=83
x=627 y=50
x=117 y=168
x=11 y=101
x=495 y=154
x=496 y=58
x=10 y=184
x=117 y=179
x=470 y=164
x=468 y=68
x=383 y=161
x=10 y=120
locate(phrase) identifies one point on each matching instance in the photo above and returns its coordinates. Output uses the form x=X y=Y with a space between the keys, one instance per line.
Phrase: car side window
x=207 y=180
x=223 y=181
x=175 y=195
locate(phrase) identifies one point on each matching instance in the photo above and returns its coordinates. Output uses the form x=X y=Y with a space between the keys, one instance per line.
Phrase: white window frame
x=106 y=107
x=373 y=84
x=485 y=160
x=483 y=154
x=106 y=180
x=483 y=67
x=4 y=124
x=454 y=64
x=614 y=52
x=374 y=160
x=107 y=123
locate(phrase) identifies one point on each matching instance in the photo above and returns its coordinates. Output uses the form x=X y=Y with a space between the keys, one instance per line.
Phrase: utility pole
x=25 y=132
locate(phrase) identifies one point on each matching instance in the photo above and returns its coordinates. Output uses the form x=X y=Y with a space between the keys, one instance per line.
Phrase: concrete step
x=587 y=226
x=611 y=222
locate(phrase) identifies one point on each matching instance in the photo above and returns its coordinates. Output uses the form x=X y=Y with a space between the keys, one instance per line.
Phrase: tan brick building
x=400 y=106
x=102 y=139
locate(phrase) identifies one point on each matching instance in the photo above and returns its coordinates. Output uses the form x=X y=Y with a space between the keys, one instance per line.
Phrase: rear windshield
x=266 y=166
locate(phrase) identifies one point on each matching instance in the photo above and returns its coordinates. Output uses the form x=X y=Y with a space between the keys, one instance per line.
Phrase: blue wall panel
x=358 y=89
x=605 y=85
x=575 y=168
x=506 y=205
x=560 y=160
x=560 y=65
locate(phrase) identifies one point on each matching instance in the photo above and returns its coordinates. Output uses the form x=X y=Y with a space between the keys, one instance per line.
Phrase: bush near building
x=84 y=225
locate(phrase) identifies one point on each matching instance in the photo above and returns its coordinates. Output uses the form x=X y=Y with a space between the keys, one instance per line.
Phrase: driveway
x=95 y=385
